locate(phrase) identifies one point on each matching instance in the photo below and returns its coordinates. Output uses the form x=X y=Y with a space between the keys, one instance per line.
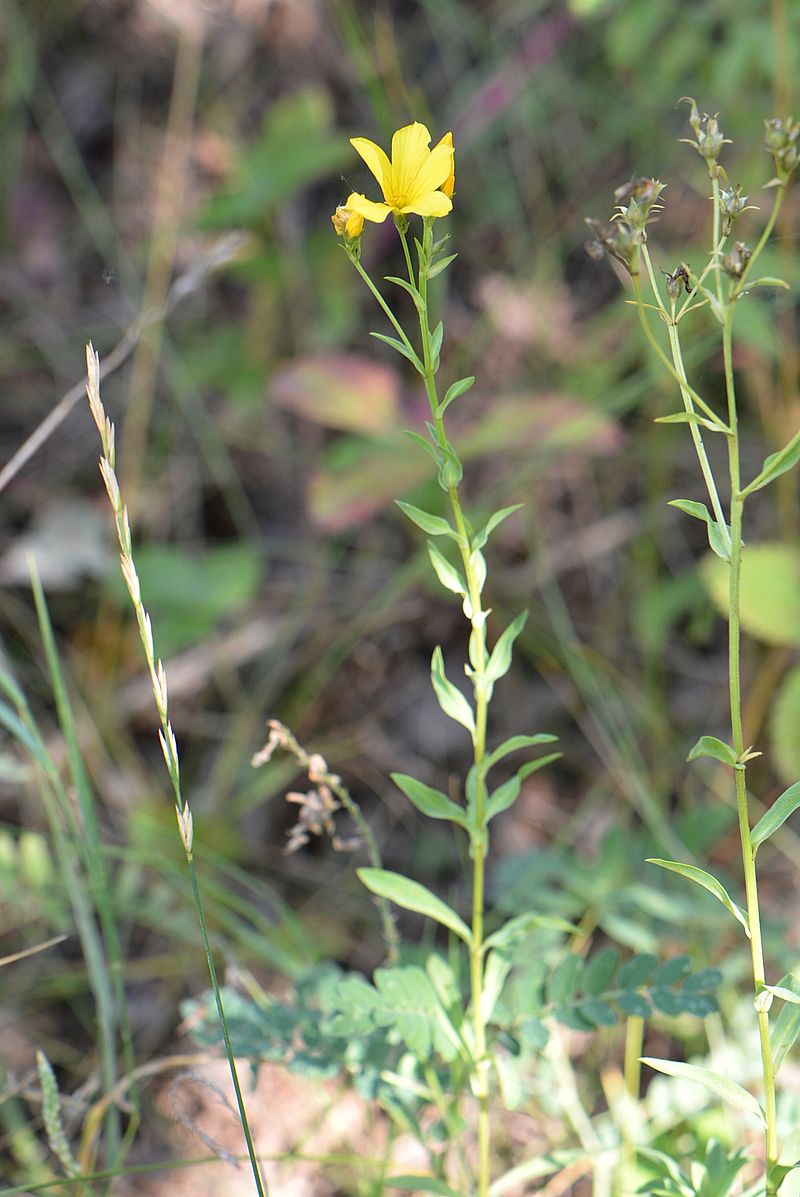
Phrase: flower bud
x=349 y=225
x=782 y=139
x=735 y=261
x=642 y=201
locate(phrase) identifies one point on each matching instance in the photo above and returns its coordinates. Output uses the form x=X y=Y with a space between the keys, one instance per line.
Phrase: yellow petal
x=367 y=208
x=375 y=159
x=448 y=186
x=435 y=172
x=410 y=153
x=435 y=203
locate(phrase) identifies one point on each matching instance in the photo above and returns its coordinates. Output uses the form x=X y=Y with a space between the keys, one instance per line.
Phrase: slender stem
x=478 y=652
x=734 y=668
x=710 y=264
x=396 y=325
x=667 y=364
x=738 y=286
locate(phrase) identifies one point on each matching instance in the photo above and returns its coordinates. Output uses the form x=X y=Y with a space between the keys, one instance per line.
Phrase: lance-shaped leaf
x=447 y=574
x=480 y=537
x=451 y=700
x=432 y=803
x=719 y=538
x=691 y=417
x=455 y=390
x=402 y=349
x=434 y=525
x=785 y=1029
x=513 y=744
x=776 y=464
x=413 y=896
x=503 y=797
x=776 y=816
x=711 y=746
x=522 y=924
x=708 y=882
x=719 y=1085
x=500 y=660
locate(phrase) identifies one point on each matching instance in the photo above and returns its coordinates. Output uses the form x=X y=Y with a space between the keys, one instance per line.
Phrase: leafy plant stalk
x=731 y=272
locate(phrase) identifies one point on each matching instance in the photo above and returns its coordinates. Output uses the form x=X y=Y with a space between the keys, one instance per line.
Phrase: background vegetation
x=169 y=169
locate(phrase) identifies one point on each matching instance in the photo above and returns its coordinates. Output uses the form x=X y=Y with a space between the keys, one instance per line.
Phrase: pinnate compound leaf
x=430 y=802
x=634 y=1005
x=708 y=882
x=409 y=1003
x=451 y=700
x=777 y=815
x=514 y=743
x=434 y=525
x=455 y=390
x=413 y=896
x=719 y=1085
x=711 y=746
x=500 y=659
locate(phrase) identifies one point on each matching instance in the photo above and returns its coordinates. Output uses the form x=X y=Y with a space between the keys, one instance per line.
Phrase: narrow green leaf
x=451 y=700
x=413 y=896
x=513 y=744
x=718 y=538
x=534 y=766
x=503 y=797
x=777 y=815
x=769 y=281
x=500 y=659
x=447 y=574
x=430 y=449
x=434 y=525
x=498 y=966
x=401 y=349
x=776 y=464
x=436 y=344
x=690 y=417
x=441 y=265
x=421 y=1184
x=719 y=1085
x=701 y=877
x=786 y=995
x=480 y=537
x=432 y=803
x=711 y=746
x=786 y=1027
x=455 y=390
x=409 y=287
x=521 y=924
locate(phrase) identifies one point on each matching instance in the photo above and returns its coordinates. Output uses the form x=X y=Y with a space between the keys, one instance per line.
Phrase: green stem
x=734 y=667
x=479 y=836
x=396 y=325
x=739 y=285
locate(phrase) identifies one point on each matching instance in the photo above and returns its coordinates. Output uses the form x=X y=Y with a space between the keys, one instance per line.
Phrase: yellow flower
x=347 y=223
x=412 y=180
x=449 y=185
